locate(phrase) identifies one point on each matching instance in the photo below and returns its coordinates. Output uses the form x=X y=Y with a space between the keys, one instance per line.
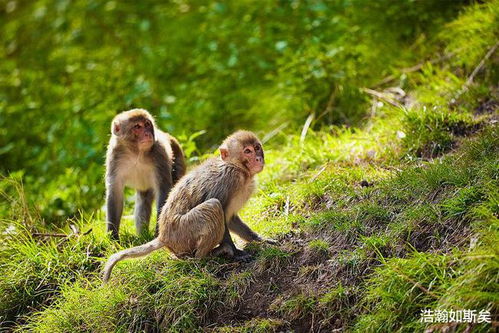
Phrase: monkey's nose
x=259 y=159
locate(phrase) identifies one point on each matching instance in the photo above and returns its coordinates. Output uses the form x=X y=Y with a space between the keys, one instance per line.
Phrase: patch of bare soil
x=487 y=106
x=313 y=273
x=304 y=272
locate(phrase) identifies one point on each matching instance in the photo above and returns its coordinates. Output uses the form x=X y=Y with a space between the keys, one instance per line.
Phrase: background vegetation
x=69 y=66
x=380 y=125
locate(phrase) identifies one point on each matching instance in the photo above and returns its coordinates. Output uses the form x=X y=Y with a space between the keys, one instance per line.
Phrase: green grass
x=319 y=246
x=375 y=222
x=175 y=294
x=296 y=307
x=433 y=132
x=34 y=271
x=258 y=325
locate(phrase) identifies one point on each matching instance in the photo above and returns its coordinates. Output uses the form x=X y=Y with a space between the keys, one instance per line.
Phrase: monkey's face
x=135 y=129
x=142 y=133
x=243 y=148
x=252 y=157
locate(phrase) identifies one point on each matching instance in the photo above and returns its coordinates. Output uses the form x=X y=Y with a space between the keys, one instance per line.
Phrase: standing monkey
x=203 y=206
x=140 y=156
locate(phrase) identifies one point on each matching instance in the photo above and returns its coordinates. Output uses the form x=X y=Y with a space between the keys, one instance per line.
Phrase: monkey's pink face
x=253 y=158
x=143 y=132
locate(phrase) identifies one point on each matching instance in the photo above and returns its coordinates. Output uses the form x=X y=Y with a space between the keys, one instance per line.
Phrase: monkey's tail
x=134 y=252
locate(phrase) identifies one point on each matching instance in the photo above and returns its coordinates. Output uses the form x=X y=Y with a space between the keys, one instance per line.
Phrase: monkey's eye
x=147 y=124
x=257 y=148
x=247 y=151
x=137 y=126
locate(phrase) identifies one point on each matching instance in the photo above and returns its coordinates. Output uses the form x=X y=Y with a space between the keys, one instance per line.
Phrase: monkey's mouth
x=256 y=167
x=145 y=144
x=145 y=140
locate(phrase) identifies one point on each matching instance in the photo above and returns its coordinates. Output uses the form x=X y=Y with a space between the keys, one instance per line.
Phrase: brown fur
x=229 y=184
x=202 y=207
x=152 y=172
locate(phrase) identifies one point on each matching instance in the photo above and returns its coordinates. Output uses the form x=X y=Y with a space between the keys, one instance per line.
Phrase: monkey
x=202 y=208
x=141 y=156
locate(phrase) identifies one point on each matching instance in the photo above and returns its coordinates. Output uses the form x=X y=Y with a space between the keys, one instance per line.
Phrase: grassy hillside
x=386 y=205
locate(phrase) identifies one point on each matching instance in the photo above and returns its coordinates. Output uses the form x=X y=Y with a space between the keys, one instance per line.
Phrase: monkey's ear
x=224 y=153
x=116 y=128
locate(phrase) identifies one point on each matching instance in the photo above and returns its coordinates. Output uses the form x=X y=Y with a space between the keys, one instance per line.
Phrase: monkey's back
x=212 y=179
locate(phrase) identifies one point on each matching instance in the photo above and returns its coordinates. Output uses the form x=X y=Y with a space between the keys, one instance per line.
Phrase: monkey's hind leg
x=204 y=225
x=143 y=207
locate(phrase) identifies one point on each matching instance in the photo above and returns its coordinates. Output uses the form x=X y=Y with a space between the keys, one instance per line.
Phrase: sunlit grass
x=400 y=211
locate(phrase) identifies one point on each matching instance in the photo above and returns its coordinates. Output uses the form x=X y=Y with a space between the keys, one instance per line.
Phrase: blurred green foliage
x=67 y=67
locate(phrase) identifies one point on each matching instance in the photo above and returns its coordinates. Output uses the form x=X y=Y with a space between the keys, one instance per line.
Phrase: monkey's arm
x=237 y=226
x=228 y=247
x=114 y=207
